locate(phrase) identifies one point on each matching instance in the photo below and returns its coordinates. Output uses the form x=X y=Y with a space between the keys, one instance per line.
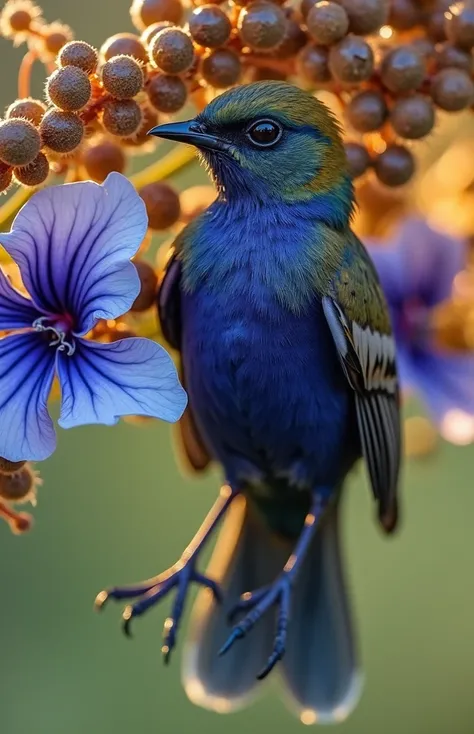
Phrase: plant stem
x=174 y=161
x=9 y=210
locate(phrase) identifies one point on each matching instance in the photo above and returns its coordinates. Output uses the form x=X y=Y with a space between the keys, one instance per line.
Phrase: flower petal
x=26 y=376
x=16 y=311
x=73 y=244
x=101 y=382
x=419 y=262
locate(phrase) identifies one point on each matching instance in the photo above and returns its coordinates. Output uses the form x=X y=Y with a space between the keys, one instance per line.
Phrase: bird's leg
x=180 y=575
x=256 y=603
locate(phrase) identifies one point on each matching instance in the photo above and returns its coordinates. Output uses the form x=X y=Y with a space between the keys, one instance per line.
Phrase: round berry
x=404 y=15
x=459 y=26
x=146 y=12
x=122 y=77
x=80 y=54
x=312 y=64
x=35 y=173
x=162 y=205
x=221 y=68
x=124 y=44
x=452 y=90
x=148 y=286
x=141 y=137
x=367 y=111
x=121 y=117
x=262 y=25
x=358 y=159
x=365 y=16
x=172 y=51
x=69 y=88
x=102 y=158
x=293 y=41
x=61 y=132
x=351 y=60
x=29 y=109
x=167 y=93
x=402 y=69
x=150 y=32
x=413 y=117
x=449 y=56
x=209 y=26
x=20 y=142
x=327 y=22
x=395 y=166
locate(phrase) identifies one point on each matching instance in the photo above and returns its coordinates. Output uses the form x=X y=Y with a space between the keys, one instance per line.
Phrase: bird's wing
x=169 y=313
x=357 y=316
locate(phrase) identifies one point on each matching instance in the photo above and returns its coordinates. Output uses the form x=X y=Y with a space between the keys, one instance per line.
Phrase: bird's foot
x=148 y=593
x=259 y=602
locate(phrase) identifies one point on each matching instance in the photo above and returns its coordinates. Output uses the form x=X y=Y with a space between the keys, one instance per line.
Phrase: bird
x=287 y=355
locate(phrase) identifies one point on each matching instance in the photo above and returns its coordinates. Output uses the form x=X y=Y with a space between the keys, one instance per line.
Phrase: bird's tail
x=319 y=666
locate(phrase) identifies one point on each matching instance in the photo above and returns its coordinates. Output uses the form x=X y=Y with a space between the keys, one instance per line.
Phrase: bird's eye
x=264 y=133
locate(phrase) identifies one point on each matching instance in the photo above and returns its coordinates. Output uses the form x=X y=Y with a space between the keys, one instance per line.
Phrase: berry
x=459 y=26
x=167 y=93
x=35 y=173
x=148 y=286
x=30 y=109
x=145 y=12
x=351 y=60
x=262 y=25
x=80 y=54
x=162 y=205
x=402 y=69
x=367 y=111
x=327 y=22
x=172 y=51
x=69 y=88
x=452 y=90
x=221 y=68
x=102 y=158
x=358 y=159
x=412 y=117
x=5 y=181
x=209 y=26
x=149 y=120
x=61 y=132
x=121 y=117
x=150 y=32
x=124 y=44
x=404 y=15
x=122 y=77
x=20 y=142
x=365 y=16
x=313 y=64
x=395 y=166
x=448 y=56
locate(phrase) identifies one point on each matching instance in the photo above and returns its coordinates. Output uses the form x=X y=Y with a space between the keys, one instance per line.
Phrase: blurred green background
x=115 y=509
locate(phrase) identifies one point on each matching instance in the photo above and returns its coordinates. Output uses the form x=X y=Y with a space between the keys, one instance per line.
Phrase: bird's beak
x=189 y=132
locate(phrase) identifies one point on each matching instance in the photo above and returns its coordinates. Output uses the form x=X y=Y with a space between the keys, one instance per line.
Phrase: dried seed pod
x=9 y=467
x=145 y=12
x=102 y=158
x=327 y=22
x=122 y=77
x=5 y=179
x=150 y=32
x=402 y=69
x=162 y=205
x=17 y=17
x=221 y=68
x=367 y=111
x=358 y=159
x=449 y=56
x=312 y=64
x=19 y=486
x=148 y=286
x=451 y=89
x=61 y=132
x=351 y=60
x=69 y=88
x=121 y=117
x=172 y=51
x=20 y=142
x=167 y=93
x=80 y=54
x=262 y=25
x=34 y=173
x=412 y=117
x=124 y=44
x=459 y=26
x=395 y=166
x=365 y=16
x=209 y=26
x=29 y=109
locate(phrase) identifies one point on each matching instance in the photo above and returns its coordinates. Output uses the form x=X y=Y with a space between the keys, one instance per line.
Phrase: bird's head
x=268 y=140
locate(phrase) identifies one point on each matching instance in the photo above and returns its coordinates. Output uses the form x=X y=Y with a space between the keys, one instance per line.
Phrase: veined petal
x=73 y=244
x=26 y=376
x=101 y=382
x=16 y=311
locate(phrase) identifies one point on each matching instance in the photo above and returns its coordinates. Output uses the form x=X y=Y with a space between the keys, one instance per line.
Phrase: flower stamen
x=59 y=337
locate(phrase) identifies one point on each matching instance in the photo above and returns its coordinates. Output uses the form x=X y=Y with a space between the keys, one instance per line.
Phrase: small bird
x=289 y=362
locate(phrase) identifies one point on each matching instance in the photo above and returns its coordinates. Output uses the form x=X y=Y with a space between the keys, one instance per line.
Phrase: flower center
x=58 y=329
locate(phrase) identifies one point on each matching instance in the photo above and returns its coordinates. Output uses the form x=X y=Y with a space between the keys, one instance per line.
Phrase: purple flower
x=417 y=269
x=73 y=245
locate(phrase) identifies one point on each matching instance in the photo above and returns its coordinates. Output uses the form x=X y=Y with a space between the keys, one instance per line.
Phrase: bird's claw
x=259 y=602
x=150 y=592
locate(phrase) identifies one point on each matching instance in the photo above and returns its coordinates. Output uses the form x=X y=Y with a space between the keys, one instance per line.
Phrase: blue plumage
x=288 y=359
